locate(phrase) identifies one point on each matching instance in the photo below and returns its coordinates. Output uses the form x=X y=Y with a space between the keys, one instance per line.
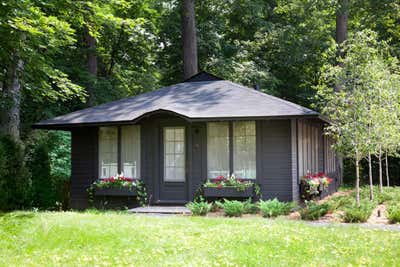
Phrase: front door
x=173 y=180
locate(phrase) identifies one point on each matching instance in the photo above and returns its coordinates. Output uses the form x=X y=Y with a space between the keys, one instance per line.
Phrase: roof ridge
x=297 y=106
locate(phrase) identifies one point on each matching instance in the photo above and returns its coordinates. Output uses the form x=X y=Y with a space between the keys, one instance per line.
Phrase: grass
x=115 y=239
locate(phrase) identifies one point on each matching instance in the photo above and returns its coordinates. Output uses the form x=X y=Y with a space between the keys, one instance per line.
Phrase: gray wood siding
x=198 y=158
x=274 y=159
x=84 y=165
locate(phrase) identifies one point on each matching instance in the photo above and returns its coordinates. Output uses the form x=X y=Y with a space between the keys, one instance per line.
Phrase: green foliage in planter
x=274 y=208
x=250 y=208
x=354 y=214
x=141 y=191
x=393 y=212
x=313 y=211
x=233 y=208
x=199 y=208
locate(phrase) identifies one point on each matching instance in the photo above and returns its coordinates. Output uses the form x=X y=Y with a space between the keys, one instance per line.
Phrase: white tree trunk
x=357 y=180
x=387 y=169
x=380 y=170
x=371 y=185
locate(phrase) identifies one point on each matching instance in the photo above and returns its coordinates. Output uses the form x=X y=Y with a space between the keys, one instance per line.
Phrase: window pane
x=108 y=147
x=244 y=149
x=174 y=154
x=130 y=154
x=217 y=149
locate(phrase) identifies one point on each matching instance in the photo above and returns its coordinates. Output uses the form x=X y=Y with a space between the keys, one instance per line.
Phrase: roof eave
x=71 y=126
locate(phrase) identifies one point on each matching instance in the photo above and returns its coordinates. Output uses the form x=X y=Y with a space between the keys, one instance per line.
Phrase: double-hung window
x=108 y=151
x=119 y=151
x=231 y=149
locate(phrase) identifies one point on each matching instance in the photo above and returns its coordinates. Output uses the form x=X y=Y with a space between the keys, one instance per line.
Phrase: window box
x=123 y=191
x=228 y=191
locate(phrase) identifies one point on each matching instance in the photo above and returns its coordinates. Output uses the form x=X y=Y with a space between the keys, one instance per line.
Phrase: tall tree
x=357 y=112
x=342 y=16
x=30 y=40
x=91 y=62
x=189 y=39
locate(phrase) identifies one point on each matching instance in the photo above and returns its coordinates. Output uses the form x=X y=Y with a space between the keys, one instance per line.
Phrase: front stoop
x=161 y=210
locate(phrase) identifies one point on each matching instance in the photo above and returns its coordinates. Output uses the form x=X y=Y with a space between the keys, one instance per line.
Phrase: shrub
x=354 y=214
x=233 y=208
x=199 y=208
x=15 y=180
x=313 y=211
x=336 y=203
x=250 y=208
x=273 y=208
x=394 y=213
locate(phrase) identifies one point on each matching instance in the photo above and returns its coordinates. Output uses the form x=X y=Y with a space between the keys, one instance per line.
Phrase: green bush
x=15 y=180
x=313 y=211
x=354 y=214
x=394 y=212
x=250 y=208
x=336 y=203
x=273 y=208
x=199 y=208
x=233 y=208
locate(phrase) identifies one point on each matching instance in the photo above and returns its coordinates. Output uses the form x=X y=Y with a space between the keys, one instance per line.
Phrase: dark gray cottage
x=176 y=137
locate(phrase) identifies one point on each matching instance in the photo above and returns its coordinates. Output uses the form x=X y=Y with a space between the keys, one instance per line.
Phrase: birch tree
x=360 y=112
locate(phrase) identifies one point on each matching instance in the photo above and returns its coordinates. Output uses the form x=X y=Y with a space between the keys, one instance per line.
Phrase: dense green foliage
x=233 y=208
x=77 y=239
x=358 y=214
x=199 y=208
x=15 y=180
x=274 y=208
x=313 y=211
x=394 y=212
x=249 y=207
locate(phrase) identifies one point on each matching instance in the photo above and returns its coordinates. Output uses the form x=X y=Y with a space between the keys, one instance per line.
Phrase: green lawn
x=107 y=239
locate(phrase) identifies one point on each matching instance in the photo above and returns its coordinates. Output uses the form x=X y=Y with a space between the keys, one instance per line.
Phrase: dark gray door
x=173 y=180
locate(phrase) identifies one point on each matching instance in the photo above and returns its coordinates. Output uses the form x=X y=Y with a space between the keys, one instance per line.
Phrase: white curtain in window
x=244 y=149
x=130 y=154
x=108 y=151
x=174 y=154
x=217 y=149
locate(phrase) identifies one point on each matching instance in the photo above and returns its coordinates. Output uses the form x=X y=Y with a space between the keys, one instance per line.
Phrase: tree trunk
x=357 y=180
x=342 y=16
x=387 y=169
x=190 y=65
x=371 y=185
x=91 y=64
x=380 y=170
x=10 y=114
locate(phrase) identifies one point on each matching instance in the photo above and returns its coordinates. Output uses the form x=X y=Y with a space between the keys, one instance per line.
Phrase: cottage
x=176 y=137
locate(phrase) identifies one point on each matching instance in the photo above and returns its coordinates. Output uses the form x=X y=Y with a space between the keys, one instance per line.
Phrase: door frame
x=159 y=179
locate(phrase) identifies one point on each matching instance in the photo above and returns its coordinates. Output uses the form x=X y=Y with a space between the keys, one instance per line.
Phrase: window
x=244 y=149
x=330 y=157
x=130 y=151
x=241 y=159
x=108 y=151
x=174 y=154
x=110 y=163
x=309 y=138
x=217 y=149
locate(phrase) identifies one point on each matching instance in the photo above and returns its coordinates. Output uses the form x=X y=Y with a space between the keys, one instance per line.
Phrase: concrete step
x=161 y=210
